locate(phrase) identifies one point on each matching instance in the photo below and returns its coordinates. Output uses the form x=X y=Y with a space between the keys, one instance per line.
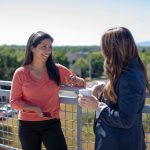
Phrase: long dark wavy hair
x=34 y=40
x=118 y=48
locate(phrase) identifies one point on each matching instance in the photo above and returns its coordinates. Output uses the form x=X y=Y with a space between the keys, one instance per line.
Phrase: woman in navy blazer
x=118 y=117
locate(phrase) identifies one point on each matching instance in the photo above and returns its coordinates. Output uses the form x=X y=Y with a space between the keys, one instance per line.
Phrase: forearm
x=33 y=108
x=114 y=118
x=73 y=80
x=122 y=117
x=28 y=107
x=22 y=105
x=17 y=104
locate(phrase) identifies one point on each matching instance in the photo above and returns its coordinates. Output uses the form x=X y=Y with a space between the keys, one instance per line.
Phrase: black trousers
x=33 y=133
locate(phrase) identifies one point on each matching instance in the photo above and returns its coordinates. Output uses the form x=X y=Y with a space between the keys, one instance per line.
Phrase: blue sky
x=72 y=22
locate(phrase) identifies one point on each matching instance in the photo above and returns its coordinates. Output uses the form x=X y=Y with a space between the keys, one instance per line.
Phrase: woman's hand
x=35 y=109
x=74 y=81
x=97 y=89
x=38 y=111
x=88 y=101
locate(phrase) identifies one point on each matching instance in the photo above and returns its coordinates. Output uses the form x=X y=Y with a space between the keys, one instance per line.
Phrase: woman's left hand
x=88 y=101
x=74 y=81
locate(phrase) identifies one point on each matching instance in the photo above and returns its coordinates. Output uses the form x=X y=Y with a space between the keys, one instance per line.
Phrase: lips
x=45 y=56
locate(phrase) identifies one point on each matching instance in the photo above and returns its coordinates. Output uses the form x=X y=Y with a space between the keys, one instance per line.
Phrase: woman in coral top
x=35 y=93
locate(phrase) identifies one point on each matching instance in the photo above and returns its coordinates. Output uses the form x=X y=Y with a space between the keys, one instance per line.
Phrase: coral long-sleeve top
x=27 y=89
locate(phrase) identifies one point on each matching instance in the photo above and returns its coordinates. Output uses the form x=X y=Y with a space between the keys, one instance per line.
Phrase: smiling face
x=43 y=50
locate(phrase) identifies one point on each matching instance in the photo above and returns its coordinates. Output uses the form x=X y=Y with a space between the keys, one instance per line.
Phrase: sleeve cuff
x=101 y=107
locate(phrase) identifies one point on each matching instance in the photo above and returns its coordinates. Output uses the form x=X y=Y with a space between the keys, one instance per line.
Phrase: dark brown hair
x=118 y=48
x=34 y=40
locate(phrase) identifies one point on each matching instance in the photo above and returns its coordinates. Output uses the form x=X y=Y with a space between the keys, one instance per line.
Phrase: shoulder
x=21 y=70
x=61 y=66
x=132 y=75
x=64 y=72
x=132 y=80
x=20 y=73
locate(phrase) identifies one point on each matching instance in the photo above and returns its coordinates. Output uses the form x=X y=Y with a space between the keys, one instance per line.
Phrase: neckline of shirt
x=33 y=77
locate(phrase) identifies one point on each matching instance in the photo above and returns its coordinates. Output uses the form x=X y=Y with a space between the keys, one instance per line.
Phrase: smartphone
x=47 y=114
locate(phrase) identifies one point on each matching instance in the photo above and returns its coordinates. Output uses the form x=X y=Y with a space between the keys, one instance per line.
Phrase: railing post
x=79 y=127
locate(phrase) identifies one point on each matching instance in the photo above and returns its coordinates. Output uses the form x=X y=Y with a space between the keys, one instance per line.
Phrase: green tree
x=96 y=64
x=148 y=70
x=83 y=64
x=91 y=65
x=10 y=59
x=60 y=57
x=8 y=64
x=145 y=56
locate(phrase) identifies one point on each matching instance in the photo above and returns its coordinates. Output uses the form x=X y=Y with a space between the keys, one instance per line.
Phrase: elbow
x=15 y=104
x=12 y=104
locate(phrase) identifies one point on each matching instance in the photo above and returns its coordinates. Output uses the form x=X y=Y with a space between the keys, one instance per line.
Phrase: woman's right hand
x=35 y=109
x=38 y=111
x=88 y=101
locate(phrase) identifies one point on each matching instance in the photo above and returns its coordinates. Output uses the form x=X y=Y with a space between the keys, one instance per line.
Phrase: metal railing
x=69 y=105
x=77 y=123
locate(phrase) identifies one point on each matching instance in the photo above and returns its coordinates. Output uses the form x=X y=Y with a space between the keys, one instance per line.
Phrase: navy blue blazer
x=119 y=126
